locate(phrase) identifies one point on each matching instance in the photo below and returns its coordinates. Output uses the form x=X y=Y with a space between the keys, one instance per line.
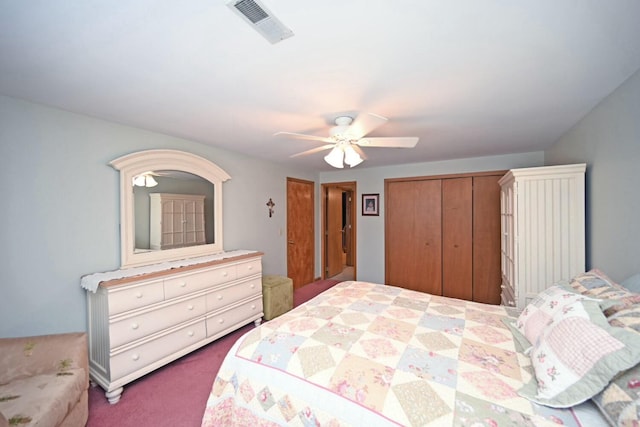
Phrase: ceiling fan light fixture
x=351 y=156
x=144 y=180
x=348 y=135
x=150 y=181
x=335 y=156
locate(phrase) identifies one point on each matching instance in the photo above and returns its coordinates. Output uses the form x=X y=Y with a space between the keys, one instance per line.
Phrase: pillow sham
x=627 y=318
x=521 y=342
x=540 y=311
x=595 y=283
x=619 y=402
x=577 y=355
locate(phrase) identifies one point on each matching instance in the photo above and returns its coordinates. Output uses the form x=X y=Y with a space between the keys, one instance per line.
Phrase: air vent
x=261 y=19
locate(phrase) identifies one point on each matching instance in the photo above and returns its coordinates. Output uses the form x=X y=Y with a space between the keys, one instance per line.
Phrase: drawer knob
x=190 y=307
x=190 y=333
x=135 y=356
x=251 y=267
x=253 y=285
x=224 y=274
x=221 y=321
x=134 y=326
x=253 y=306
x=219 y=297
x=139 y=295
x=183 y=284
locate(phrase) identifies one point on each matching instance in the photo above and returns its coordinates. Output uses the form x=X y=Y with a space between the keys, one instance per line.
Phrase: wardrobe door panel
x=457 y=238
x=486 y=239
x=413 y=235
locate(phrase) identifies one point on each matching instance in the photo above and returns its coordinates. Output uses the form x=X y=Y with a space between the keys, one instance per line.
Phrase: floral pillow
x=594 y=283
x=539 y=313
x=577 y=355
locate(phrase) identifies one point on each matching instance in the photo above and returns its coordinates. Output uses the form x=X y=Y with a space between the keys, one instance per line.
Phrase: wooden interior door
x=413 y=235
x=486 y=239
x=350 y=222
x=333 y=232
x=300 y=231
x=457 y=238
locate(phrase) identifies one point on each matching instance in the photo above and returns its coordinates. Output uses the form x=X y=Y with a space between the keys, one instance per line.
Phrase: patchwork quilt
x=366 y=354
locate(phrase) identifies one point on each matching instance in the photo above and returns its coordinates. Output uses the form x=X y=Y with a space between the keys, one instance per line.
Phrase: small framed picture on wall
x=371 y=204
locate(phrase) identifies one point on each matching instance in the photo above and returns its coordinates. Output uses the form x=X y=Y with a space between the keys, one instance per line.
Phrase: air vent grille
x=261 y=19
x=251 y=10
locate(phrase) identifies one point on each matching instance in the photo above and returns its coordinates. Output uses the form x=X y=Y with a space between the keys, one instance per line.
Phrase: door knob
x=290 y=242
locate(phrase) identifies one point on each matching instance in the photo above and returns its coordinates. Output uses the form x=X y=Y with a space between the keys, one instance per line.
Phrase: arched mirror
x=170 y=206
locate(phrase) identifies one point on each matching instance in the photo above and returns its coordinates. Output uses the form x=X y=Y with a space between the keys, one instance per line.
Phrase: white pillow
x=632 y=283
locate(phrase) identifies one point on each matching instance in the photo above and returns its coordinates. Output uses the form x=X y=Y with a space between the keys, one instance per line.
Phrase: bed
x=366 y=354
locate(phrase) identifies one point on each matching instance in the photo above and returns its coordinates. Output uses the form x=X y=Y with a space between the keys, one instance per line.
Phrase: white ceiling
x=469 y=77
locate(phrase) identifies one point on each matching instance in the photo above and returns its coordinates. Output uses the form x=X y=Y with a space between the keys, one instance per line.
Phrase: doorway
x=339 y=231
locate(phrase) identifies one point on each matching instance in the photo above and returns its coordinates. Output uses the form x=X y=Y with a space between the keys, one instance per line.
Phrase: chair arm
x=28 y=356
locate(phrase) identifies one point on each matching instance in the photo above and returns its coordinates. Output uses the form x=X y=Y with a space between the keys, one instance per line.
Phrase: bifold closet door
x=457 y=238
x=413 y=235
x=486 y=239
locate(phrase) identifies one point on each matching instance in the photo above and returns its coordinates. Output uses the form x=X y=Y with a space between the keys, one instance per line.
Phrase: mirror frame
x=139 y=162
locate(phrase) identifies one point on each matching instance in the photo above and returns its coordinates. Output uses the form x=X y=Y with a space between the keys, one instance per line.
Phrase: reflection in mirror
x=176 y=211
x=170 y=173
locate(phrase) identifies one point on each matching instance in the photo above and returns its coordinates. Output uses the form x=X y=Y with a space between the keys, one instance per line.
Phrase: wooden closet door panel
x=413 y=235
x=486 y=239
x=457 y=238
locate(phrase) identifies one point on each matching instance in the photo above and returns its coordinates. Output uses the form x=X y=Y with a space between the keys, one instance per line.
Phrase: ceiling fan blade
x=302 y=136
x=313 y=150
x=359 y=151
x=397 y=142
x=365 y=123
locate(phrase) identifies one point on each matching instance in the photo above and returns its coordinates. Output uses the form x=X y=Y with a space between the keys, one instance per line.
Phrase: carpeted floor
x=175 y=395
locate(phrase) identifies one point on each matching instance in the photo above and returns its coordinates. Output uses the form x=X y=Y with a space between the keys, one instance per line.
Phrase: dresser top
x=91 y=282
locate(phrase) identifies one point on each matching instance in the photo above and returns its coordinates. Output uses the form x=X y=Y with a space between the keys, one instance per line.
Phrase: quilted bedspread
x=365 y=354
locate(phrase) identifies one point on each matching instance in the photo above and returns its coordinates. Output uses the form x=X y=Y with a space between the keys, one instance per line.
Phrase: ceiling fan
x=346 y=138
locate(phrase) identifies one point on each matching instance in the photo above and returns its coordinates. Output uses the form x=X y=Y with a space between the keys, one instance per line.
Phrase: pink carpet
x=175 y=395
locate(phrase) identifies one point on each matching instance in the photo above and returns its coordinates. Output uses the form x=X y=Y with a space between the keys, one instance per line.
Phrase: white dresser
x=140 y=323
x=176 y=220
x=543 y=229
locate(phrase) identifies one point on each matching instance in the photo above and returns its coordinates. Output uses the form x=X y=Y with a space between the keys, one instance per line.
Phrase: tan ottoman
x=277 y=295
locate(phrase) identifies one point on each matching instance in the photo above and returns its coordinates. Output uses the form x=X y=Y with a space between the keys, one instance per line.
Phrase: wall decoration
x=270 y=205
x=371 y=204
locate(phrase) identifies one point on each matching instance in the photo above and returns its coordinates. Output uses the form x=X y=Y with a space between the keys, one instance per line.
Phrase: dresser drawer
x=219 y=322
x=197 y=281
x=249 y=268
x=134 y=296
x=224 y=296
x=135 y=327
x=140 y=357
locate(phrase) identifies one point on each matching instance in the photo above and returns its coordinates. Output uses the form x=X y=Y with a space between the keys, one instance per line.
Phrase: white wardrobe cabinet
x=542 y=213
x=176 y=220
